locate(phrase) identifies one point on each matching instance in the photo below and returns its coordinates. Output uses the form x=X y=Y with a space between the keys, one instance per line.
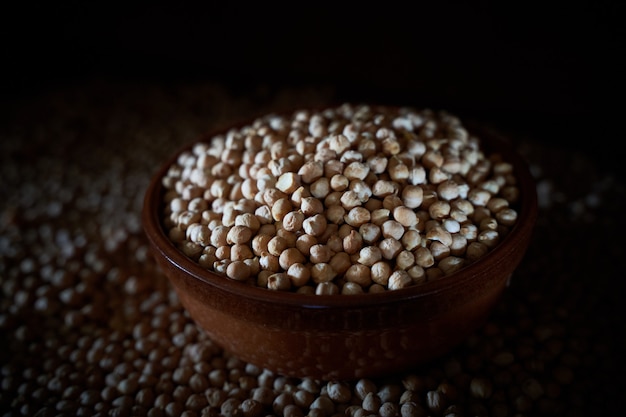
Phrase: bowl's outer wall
x=351 y=339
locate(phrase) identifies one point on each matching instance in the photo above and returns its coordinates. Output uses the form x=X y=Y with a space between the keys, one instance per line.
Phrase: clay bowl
x=344 y=336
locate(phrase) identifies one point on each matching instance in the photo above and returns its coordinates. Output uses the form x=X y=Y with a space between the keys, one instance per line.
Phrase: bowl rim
x=495 y=142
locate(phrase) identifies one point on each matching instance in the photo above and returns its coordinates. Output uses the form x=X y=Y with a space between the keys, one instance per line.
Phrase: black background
x=549 y=69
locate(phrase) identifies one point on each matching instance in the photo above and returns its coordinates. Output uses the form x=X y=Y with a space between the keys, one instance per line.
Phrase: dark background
x=551 y=70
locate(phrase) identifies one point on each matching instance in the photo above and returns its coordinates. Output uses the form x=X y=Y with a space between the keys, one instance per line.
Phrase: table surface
x=90 y=326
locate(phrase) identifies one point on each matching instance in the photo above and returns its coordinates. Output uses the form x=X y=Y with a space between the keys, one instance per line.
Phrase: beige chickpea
x=351 y=288
x=423 y=257
x=353 y=242
x=320 y=188
x=222 y=252
x=380 y=216
x=476 y=250
x=279 y=282
x=320 y=253
x=380 y=272
x=392 y=201
x=293 y=221
x=370 y=233
x=333 y=168
x=417 y=274
x=439 y=209
x=248 y=220
x=369 y=255
x=359 y=274
x=277 y=245
x=362 y=190
x=298 y=195
x=288 y=182
x=289 y=257
x=350 y=199
x=238 y=271
x=339 y=182
x=335 y=243
x=322 y=272
x=405 y=259
x=357 y=216
x=390 y=248
x=399 y=279
x=311 y=206
x=269 y=262
x=356 y=170
x=392 y=229
x=450 y=264
x=260 y=243
x=438 y=250
x=383 y=188
x=439 y=234
x=239 y=234
x=340 y=262
x=507 y=216
x=326 y=288
x=299 y=274
x=304 y=242
x=314 y=225
x=335 y=214
x=412 y=196
x=411 y=239
x=405 y=216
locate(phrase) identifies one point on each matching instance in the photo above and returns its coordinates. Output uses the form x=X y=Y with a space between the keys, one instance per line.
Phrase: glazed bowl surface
x=344 y=336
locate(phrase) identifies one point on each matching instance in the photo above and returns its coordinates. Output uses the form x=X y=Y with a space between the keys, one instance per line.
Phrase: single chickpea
x=357 y=216
x=293 y=221
x=412 y=196
x=411 y=239
x=353 y=243
x=299 y=274
x=351 y=288
x=239 y=234
x=439 y=250
x=339 y=182
x=279 y=282
x=335 y=214
x=320 y=188
x=289 y=257
x=326 y=288
x=288 y=182
x=450 y=264
x=311 y=206
x=269 y=262
x=369 y=255
x=277 y=245
x=392 y=229
x=359 y=274
x=380 y=272
x=399 y=279
x=315 y=225
x=417 y=274
x=405 y=259
x=423 y=257
x=305 y=242
x=405 y=216
x=340 y=262
x=390 y=248
x=320 y=253
x=238 y=271
x=248 y=220
x=322 y=272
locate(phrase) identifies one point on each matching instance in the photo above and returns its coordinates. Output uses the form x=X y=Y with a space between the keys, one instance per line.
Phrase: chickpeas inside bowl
x=341 y=225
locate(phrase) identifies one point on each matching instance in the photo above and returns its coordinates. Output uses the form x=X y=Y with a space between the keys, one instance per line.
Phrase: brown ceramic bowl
x=344 y=336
